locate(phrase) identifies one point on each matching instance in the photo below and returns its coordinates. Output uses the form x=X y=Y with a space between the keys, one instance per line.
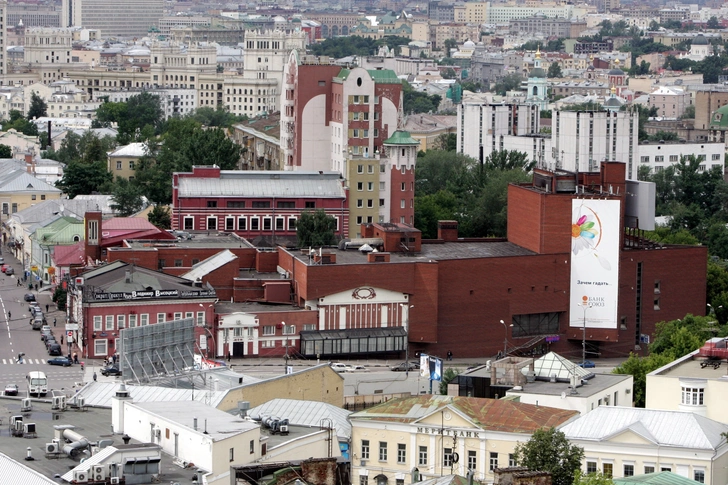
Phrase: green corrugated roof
x=659 y=478
x=401 y=137
x=60 y=231
x=386 y=76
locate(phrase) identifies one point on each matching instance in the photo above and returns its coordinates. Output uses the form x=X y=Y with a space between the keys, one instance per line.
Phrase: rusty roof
x=488 y=414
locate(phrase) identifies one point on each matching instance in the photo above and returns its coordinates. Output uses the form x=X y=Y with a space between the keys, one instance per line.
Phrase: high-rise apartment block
x=120 y=18
x=346 y=120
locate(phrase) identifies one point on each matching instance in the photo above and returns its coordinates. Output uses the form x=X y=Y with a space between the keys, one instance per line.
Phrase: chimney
x=447 y=230
x=117 y=409
x=127 y=277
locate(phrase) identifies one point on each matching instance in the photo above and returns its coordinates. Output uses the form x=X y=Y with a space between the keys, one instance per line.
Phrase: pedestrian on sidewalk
x=10 y=315
x=54 y=321
x=61 y=339
x=36 y=287
x=46 y=307
x=94 y=376
x=18 y=282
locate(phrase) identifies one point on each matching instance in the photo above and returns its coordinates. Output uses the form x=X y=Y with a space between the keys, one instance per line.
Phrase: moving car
x=2 y=260
x=405 y=366
x=55 y=349
x=11 y=390
x=64 y=361
x=29 y=297
x=111 y=371
x=4 y=267
x=587 y=364
x=339 y=367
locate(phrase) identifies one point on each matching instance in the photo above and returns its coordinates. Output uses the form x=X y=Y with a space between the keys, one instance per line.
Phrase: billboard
x=431 y=367
x=595 y=235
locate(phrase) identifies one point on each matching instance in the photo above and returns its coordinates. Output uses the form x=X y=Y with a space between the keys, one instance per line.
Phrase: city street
x=17 y=336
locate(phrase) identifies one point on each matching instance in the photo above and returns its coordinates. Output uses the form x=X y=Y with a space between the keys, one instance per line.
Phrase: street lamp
x=584 y=307
x=405 y=323
x=204 y=325
x=505 y=339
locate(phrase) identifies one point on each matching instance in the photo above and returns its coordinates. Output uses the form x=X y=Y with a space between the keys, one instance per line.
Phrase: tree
x=638 y=367
x=509 y=82
x=447 y=377
x=450 y=44
x=139 y=116
x=597 y=478
x=554 y=70
x=126 y=198
x=160 y=217
x=59 y=297
x=431 y=208
x=315 y=229
x=38 y=107
x=219 y=116
x=549 y=450
x=6 y=151
x=20 y=124
x=689 y=112
x=418 y=102
x=509 y=160
x=447 y=142
x=713 y=23
x=85 y=178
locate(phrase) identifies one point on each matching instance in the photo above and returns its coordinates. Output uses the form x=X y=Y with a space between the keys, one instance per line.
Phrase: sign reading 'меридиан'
x=141 y=295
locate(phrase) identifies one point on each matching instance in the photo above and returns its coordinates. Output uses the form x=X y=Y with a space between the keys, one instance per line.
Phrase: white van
x=37 y=383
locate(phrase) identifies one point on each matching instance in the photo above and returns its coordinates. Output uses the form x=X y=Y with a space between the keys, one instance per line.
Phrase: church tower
x=537 y=84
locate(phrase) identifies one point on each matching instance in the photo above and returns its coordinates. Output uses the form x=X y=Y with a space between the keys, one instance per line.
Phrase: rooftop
x=93 y=423
x=217 y=424
x=689 y=366
x=202 y=239
x=130 y=150
x=433 y=252
x=279 y=184
x=659 y=478
x=306 y=413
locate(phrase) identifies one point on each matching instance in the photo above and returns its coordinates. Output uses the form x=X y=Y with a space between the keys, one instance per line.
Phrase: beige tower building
x=3 y=36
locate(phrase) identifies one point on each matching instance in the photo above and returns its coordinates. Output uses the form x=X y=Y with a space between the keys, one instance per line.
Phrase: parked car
x=338 y=366
x=405 y=366
x=50 y=341
x=4 y=267
x=64 y=361
x=587 y=364
x=357 y=368
x=29 y=297
x=9 y=271
x=55 y=349
x=11 y=390
x=2 y=260
x=111 y=371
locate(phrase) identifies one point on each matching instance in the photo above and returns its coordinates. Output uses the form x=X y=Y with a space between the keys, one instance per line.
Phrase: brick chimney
x=447 y=230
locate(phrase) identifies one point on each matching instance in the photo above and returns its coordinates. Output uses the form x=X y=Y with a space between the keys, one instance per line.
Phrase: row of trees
x=452 y=186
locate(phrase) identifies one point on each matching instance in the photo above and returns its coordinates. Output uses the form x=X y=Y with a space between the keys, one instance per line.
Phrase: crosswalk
x=25 y=361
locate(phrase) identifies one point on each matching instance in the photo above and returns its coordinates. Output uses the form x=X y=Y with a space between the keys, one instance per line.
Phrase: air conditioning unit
x=58 y=403
x=80 y=401
x=29 y=428
x=26 y=405
x=115 y=480
x=78 y=281
x=98 y=472
x=52 y=448
x=80 y=476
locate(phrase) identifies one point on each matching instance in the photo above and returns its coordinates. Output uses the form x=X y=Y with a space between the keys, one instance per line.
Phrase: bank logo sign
x=594 y=263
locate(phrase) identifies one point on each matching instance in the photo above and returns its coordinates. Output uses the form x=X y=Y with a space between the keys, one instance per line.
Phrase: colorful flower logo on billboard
x=586 y=235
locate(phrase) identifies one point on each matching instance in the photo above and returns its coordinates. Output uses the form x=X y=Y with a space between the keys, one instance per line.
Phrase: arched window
x=535 y=90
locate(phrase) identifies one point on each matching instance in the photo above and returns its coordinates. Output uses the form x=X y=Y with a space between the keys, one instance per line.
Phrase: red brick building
x=257 y=205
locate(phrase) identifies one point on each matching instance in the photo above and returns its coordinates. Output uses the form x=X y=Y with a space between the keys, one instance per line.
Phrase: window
x=229 y=223
x=269 y=330
x=359 y=168
x=645 y=159
x=33 y=197
x=109 y=322
x=311 y=204
x=673 y=158
x=628 y=470
x=189 y=222
x=279 y=224
x=422 y=456
x=401 y=453
x=699 y=476
x=493 y=461
x=382 y=451
x=591 y=467
x=447 y=457
x=659 y=158
x=101 y=347
x=212 y=223
x=403 y=204
x=360 y=202
x=267 y=223
x=120 y=321
x=657 y=287
x=252 y=446
x=160 y=317
x=404 y=186
x=381 y=202
x=261 y=204
x=472 y=460
x=289 y=329
x=309 y=327
x=118 y=165
x=232 y=454
x=656 y=303
x=42 y=196
x=665 y=469
x=144 y=319
x=364 y=449
x=235 y=204
x=649 y=469
x=608 y=469
x=285 y=204
x=268 y=344
x=360 y=186
x=363 y=480
x=512 y=460
x=692 y=396
x=97 y=323
x=132 y=321
x=291 y=223
x=716 y=156
x=242 y=223
x=254 y=224
x=178 y=263
x=211 y=203
x=370 y=186
x=178 y=315
x=200 y=319
x=370 y=168
x=370 y=203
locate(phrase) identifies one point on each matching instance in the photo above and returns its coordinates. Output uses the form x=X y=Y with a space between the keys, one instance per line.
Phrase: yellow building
x=20 y=190
x=364 y=193
x=422 y=435
x=124 y=160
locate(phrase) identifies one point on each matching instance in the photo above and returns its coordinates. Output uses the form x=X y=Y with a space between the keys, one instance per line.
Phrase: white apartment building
x=622 y=442
x=502 y=14
x=657 y=155
x=128 y=18
x=670 y=101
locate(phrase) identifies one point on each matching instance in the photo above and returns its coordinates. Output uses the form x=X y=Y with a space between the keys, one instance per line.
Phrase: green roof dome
x=537 y=72
x=719 y=120
x=700 y=40
x=401 y=137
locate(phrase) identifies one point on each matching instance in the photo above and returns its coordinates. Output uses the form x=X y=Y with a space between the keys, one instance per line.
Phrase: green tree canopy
x=160 y=217
x=418 y=102
x=137 y=119
x=6 y=151
x=220 y=117
x=85 y=178
x=315 y=229
x=126 y=197
x=554 y=70
x=509 y=82
x=549 y=450
x=20 y=124
x=447 y=377
x=38 y=107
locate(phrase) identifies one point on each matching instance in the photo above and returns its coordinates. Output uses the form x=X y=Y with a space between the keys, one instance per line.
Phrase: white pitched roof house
x=622 y=442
